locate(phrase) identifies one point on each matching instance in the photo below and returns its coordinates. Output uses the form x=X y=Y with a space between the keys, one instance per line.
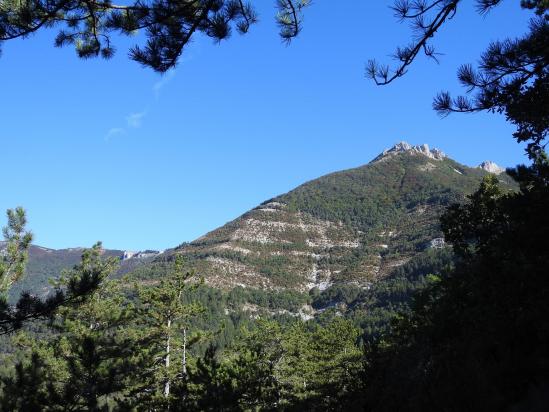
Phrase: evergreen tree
x=86 y=363
x=15 y=253
x=210 y=387
x=477 y=338
x=304 y=366
x=169 y=25
x=27 y=390
x=164 y=322
x=12 y=266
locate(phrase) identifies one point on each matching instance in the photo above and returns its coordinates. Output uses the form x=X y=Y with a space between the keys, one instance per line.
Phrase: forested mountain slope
x=358 y=242
x=363 y=236
x=45 y=264
x=353 y=226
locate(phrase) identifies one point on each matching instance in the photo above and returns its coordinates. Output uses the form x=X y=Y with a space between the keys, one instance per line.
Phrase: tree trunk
x=167 y=361
x=184 y=352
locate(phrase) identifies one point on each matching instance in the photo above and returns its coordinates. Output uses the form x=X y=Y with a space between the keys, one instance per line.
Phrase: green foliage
x=382 y=193
x=476 y=339
x=163 y=323
x=169 y=26
x=72 y=291
x=358 y=226
x=45 y=266
x=513 y=78
x=374 y=308
x=27 y=390
x=285 y=299
x=15 y=254
x=302 y=366
x=82 y=363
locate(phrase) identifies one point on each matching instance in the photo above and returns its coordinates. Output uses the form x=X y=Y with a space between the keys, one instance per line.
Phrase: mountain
x=356 y=243
x=45 y=264
x=350 y=227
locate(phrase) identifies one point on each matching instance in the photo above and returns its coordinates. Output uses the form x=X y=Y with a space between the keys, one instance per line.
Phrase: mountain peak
x=491 y=167
x=403 y=147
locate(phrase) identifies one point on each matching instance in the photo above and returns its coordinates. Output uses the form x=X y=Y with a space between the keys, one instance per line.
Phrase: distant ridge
x=46 y=263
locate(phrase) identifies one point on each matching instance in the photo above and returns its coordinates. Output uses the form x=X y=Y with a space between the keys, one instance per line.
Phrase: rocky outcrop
x=437 y=243
x=491 y=167
x=145 y=254
x=269 y=244
x=402 y=147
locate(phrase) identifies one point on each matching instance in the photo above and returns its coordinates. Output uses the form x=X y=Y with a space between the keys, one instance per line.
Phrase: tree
x=87 y=363
x=254 y=367
x=96 y=346
x=27 y=390
x=321 y=368
x=512 y=78
x=12 y=267
x=301 y=366
x=458 y=350
x=169 y=25
x=477 y=337
x=15 y=254
x=164 y=321
x=210 y=387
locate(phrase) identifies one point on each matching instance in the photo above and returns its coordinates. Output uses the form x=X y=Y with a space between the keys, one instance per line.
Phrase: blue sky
x=108 y=150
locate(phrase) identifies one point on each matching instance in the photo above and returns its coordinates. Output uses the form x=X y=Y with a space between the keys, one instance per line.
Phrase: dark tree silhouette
x=476 y=339
x=512 y=77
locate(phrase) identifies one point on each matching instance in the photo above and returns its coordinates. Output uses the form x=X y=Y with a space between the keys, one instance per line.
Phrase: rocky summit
x=491 y=167
x=405 y=147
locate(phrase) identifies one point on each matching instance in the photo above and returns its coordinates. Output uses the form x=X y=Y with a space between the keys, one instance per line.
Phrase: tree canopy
x=169 y=25
x=76 y=287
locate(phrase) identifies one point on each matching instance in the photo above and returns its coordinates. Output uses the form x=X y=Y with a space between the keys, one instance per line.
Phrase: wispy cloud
x=135 y=120
x=164 y=80
x=113 y=132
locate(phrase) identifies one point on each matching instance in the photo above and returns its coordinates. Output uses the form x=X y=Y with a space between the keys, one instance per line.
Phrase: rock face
x=491 y=167
x=437 y=243
x=403 y=147
x=145 y=254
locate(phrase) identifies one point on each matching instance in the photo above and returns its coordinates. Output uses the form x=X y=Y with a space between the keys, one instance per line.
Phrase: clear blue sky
x=107 y=150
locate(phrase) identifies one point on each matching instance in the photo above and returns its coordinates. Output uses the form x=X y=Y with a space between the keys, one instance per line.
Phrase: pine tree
x=12 y=266
x=512 y=78
x=476 y=337
x=164 y=319
x=85 y=357
x=254 y=367
x=15 y=254
x=210 y=386
x=169 y=25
